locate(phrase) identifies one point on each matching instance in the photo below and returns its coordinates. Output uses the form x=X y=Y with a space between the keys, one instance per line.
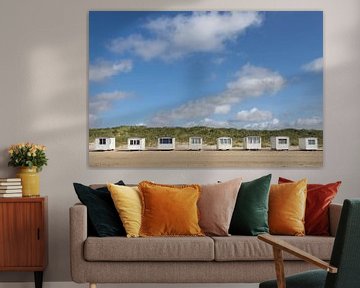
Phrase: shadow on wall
x=44 y=56
x=4 y=159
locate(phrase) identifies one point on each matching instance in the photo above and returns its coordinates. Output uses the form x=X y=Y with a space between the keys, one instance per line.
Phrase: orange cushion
x=169 y=210
x=287 y=204
x=319 y=197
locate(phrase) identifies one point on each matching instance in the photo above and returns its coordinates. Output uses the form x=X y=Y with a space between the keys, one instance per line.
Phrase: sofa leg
x=92 y=285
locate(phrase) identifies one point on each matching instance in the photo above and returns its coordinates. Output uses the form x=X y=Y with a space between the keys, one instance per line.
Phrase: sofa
x=233 y=259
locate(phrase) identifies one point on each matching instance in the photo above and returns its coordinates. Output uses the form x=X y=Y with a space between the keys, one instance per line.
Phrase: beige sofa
x=234 y=259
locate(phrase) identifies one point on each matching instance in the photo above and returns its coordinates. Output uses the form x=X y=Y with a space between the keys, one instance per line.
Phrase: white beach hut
x=104 y=143
x=224 y=143
x=280 y=142
x=252 y=143
x=309 y=143
x=136 y=144
x=166 y=143
x=195 y=143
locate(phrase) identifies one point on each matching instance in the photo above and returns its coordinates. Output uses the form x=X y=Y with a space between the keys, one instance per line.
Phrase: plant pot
x=30 y=181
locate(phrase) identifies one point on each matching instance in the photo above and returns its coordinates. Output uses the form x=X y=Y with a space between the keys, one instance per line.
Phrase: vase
x=30 y=181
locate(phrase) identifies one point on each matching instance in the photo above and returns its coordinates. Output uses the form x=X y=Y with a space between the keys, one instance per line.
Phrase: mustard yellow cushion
x=169 y=210
x=127 y=201
x=287 y=204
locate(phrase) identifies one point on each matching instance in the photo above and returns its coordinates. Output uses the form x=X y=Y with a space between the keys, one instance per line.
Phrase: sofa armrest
x=334 y=217
x=78 y=235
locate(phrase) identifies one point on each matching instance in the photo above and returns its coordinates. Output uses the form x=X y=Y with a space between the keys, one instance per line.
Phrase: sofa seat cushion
x=244 y=248
x=149 y=249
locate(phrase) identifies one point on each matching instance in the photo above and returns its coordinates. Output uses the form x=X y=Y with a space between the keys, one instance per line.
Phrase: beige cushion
x=242 y=248
x=149 y=249
x=216 y=206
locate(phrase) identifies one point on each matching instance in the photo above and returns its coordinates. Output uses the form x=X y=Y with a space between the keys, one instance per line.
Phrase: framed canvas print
x=203 y=89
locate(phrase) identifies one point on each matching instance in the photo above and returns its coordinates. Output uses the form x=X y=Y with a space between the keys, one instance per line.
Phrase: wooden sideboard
x=23 y=235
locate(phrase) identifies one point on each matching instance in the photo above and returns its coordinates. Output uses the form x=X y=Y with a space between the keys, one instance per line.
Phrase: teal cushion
x=103 y=219
x=250 y=216
x=309 y=279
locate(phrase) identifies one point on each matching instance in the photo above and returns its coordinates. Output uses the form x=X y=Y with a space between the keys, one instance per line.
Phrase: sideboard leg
x=38 y=279
x=92 y=285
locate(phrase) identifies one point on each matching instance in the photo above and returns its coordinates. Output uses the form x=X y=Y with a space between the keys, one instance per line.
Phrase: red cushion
x=319 y=197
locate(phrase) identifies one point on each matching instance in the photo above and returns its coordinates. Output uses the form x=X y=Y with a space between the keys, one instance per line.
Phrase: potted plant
x=30 y=158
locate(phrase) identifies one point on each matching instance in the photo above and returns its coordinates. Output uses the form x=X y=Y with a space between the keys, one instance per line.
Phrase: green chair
x=344 y=268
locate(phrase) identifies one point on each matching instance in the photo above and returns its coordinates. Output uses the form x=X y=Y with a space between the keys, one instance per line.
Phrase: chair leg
x=279 y=267
x=92 y=285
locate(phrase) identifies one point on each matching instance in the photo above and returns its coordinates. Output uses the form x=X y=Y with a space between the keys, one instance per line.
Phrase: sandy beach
x=206 y=159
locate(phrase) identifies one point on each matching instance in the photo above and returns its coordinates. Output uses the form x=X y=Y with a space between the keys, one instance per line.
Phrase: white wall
x=43 y=90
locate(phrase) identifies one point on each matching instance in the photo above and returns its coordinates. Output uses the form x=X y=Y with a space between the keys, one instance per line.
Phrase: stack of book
x=10 y=187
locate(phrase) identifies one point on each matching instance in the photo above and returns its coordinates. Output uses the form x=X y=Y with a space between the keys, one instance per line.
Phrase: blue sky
x=253 y=70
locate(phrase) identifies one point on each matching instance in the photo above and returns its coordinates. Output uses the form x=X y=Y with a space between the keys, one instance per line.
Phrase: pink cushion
x=216 y=205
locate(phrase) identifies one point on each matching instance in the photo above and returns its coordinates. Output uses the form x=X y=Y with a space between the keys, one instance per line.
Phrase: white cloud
x=222 y=109
x=271 y=124
x=314 y=122
x=254 y=81
x=174 y=37
x=105 y=69
x=251 y=81
x=146 y=49
x=314 y=66
x=208 y=122
x=219 y=60
x=103 y=102
x=253 y=115
x=111 y=96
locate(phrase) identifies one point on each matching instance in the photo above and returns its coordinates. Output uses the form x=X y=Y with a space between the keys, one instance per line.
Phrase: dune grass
x=209 y=134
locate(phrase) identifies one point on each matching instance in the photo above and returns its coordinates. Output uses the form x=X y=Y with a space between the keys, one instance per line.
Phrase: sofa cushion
x=102 y=216
x=318 y=199
x=149 y=249
x=250 y=215
x=245 y=248
x=216 y=206
x=127 y=201
x=169 y=210
x=287 y=204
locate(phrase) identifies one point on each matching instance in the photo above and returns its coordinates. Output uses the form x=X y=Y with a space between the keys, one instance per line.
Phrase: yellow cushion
x=287 y=204
x=169 y=210
x=127 y=201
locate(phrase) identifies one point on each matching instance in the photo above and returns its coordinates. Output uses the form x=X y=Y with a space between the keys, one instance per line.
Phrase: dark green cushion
x=102 y=215
x=309 y=279
x=250 y=216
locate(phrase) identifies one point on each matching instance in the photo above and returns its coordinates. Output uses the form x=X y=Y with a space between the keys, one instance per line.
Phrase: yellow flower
x=41 y=147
